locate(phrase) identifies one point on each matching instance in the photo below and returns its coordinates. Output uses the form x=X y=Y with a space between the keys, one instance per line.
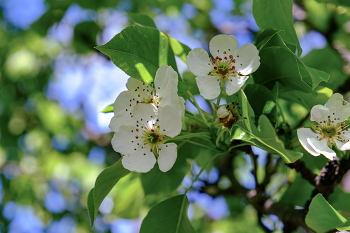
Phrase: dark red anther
x=233 y=67
x=234 y=60
x=159 y=140
x=217 y=72
x=151 y=150
x=330 y=136
x=152 y=130
x=225 y=58
x=339 y=133
x=157 y=136
x=220 y=58
x=226 y=72
x=342 y=124
x=217 y=57
x=137 y=137
x=239 y=107
x=137 y=129
x=151 y=99
x=213 y=61
x=137 y=102
x=215 y=68
x=221 y=72
x=231 y=56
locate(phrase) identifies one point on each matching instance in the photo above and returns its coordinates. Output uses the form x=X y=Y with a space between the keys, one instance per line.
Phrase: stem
x=193 y=135
x=197 y=106
x=202 y=145
x=188 y=115
x=219 y=137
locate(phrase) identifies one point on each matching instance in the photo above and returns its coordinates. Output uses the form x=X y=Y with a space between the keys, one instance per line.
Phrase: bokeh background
x=54 y=139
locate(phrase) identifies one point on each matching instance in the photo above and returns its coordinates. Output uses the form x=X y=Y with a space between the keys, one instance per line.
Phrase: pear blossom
x=162 y=94
x=227 y=64
x=145 y=139
x=330 y=130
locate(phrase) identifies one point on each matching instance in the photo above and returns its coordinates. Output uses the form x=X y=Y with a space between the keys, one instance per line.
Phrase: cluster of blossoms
x=331 y=129
x=145 y=117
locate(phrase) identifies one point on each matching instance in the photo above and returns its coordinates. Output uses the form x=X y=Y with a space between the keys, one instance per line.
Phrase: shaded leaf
x=168 y=216
x=142 y=19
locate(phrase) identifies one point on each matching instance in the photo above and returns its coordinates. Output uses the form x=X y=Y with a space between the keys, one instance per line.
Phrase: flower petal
x=346 y=146
x=319 y=113
x=303 y=135
x=119 y=120
x=247 y=59
x=141 y=161
x=126 y=139
x=167 y=156
x=339 y=110
x=321 y=147
x=209 y=86
x=223 y=45
x=198 y=62
x=166 y=81
x=146 y=114
x=169 y=121
x=125 y=102
x=235 y=83
x=140 y=88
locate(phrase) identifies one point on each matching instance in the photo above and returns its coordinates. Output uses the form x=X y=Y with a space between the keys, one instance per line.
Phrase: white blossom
x=330 y=130
x=227 y=64
x=163 y=93
x=145 y=139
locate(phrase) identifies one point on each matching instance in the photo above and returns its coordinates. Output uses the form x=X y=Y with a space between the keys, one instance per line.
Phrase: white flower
x=331 y=128
x=227 y=64
x=144 y=140
x=162 y=94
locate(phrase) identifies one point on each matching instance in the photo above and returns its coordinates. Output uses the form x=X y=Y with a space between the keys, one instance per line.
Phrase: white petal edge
x=167 y=156
x=169 y=121
x=124 y=140
x=119 y=120
x=235 y=83
x=125 y=102
x=223 y=45
x=143 y=112
x=138 y=87
x=319 y=113
x=340 y=108
x=166 y=81
x=209 y=86
x=141 y=161
x=198 y=62
x=247 y=59
x=303 y=135
x=321 y=147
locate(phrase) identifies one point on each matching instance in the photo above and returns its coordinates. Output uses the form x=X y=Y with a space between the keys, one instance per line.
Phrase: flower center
x=153 y=138
x=223 y=67
x=329 y=131
x=151 y=99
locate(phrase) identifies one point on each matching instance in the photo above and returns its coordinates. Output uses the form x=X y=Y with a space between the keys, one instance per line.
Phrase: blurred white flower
x=227 y=64
x=331 y=128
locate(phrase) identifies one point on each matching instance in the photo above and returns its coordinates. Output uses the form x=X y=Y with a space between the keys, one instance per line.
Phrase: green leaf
x=322 y=217
x=266 y=36
x=183 y=88
x=156 y=181
x=261 y=100
x=108 y=109
x=292 y=73
x=179 y=48
x=168 y=216
x=265 y=137
x=142 y=19
x=139 y=52
x=103 y=185
x=298 y=193
x=91 y=206
x=277 y=14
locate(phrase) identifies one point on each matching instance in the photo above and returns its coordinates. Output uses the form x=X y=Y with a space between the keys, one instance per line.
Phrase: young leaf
x=108 y=109
x=265 y=36
x=179 y=48
x=103 y=185
x=169 y=216
x=277 y=14
x=142 y=19
x=322 y=217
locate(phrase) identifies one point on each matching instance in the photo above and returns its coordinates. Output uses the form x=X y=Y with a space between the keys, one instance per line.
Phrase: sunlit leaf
x=108 y=109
